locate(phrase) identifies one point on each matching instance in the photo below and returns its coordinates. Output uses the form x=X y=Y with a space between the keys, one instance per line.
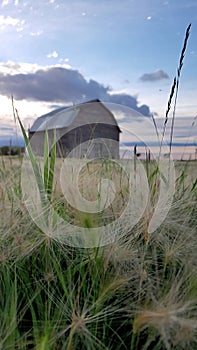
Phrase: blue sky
x=59 y=52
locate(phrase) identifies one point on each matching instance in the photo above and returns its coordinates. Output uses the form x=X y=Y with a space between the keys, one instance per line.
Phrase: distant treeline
x=11 y=150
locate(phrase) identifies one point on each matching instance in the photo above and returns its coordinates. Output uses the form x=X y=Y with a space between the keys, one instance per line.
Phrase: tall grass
x=138 y=293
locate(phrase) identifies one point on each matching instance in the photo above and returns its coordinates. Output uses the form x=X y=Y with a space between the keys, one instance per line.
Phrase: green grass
x=131 y=294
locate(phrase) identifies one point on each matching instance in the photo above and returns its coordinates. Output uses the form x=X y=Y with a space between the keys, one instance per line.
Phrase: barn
x=85 y=130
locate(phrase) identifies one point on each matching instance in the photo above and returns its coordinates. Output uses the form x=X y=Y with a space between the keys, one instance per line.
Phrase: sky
x=63 y=52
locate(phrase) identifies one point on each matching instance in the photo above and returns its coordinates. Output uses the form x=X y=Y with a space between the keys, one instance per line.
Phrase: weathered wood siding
x=82 y=135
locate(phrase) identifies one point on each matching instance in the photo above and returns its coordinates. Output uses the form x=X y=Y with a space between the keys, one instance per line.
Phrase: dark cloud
x=130 y=101
x=5 y=128
x=158 y=75
x=62 y=85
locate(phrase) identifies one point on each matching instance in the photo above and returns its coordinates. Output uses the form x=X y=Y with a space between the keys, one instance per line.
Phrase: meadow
x=139 y=292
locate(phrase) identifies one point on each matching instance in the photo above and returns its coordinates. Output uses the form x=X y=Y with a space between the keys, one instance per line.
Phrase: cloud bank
x=58 y=84
x=155 y=76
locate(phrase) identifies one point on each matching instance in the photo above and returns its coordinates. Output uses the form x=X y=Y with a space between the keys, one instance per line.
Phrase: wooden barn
x=85 y=130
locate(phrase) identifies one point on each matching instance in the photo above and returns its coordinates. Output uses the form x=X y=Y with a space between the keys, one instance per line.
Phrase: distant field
x=189 y=168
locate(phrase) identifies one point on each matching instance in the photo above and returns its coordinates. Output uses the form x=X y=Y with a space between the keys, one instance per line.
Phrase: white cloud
x=11 y=67
x=11 y=22
x=64 y=60
x=5 y=3
x=38 y=33
x=8 y=21
x=53 y=54
x=148 y=18
x=19 y=29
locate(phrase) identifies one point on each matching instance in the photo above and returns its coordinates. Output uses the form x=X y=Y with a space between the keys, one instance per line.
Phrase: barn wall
x=89 y=134
x=37 y=140
x=85 y=137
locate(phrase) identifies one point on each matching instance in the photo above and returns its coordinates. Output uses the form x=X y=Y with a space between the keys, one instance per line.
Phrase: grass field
x=139 y=292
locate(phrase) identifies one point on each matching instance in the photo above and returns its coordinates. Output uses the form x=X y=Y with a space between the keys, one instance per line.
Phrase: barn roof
x=64 y=117
x=47 y=121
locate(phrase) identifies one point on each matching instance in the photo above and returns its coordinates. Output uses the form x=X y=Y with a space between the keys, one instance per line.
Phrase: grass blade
x=34 y=163
x=46 y=160
x=52 y=169
x=177 y=82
